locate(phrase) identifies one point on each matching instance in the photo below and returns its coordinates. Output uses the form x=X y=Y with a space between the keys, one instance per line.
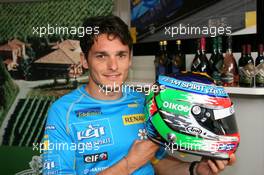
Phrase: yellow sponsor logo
x=46 y=145
x=133 y=105
x=133 y=119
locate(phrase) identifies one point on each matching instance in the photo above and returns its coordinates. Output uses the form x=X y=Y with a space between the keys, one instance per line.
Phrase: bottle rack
x=143 y=68
x=244 y=90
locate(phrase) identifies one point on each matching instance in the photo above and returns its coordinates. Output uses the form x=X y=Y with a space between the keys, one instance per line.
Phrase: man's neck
x=102 y=94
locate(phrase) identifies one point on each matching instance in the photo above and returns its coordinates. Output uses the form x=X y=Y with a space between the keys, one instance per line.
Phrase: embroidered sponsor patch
x=92 y=158
x=88 y=112
x=95 y=132
x=94 y=170
x=51 y=164
x=133 y=105
x=142 y=134
x=50 y=127
x=133 y=119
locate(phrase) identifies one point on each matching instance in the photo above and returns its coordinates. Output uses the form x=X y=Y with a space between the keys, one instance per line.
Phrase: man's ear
x=84 y=61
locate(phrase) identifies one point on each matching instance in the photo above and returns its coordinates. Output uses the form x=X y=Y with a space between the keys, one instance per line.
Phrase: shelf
x=244 y=90
x=229 y=90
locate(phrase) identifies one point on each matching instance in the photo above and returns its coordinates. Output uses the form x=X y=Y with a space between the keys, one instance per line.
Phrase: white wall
x=122 y=9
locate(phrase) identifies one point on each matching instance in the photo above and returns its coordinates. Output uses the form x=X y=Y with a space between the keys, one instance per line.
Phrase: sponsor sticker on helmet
x=226 y=147
x=152 y=107
x=194 y=130
x=193 y=86
x=223 y=113
x=181 y=108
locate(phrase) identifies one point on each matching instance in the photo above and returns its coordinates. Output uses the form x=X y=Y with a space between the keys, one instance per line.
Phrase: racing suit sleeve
x=58 y=155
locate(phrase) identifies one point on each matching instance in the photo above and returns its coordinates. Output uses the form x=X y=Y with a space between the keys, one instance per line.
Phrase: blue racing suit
x=84 y=135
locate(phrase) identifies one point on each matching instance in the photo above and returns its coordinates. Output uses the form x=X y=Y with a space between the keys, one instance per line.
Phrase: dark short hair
x=110 y=25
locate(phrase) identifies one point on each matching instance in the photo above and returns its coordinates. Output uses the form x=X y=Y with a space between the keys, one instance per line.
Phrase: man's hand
x=209 y=167
x=140 y=153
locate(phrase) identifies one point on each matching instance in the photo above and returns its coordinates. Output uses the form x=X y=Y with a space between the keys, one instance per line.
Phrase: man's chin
x=114 y=87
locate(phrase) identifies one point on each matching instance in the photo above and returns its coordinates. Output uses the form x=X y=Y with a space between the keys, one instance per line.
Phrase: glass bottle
x=195 y=63
x=218 y=63
x=229 y=75
x=200 y=62
x=214 y=53
x=165 y=61
x=260 y=67
x=246 y=67
x=178 y=59
x=158 y=58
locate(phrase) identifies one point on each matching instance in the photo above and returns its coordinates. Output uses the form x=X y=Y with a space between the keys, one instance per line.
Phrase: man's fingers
x=152 y=144
x=232 y=159
x=221 y=164
x=147 y=144
x=213 y=166
x=226 y=162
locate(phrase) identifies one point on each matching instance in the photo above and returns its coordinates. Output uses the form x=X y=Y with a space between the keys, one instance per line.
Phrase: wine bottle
x=229 y=75
x=218 y=63
x=260 y=67
x=196 y=56
x=157 y=60
x=178 y=59
x=200 y=62
x=166 y=61
x=214 y=53
x=246 y=67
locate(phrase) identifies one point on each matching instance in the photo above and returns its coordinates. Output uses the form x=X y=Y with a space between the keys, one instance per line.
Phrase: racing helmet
x=187 y=112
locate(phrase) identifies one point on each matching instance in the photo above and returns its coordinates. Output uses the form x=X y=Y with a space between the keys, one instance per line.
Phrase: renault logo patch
x=133 y=119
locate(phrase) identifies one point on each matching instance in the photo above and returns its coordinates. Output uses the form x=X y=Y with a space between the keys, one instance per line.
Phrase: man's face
x=108 y=61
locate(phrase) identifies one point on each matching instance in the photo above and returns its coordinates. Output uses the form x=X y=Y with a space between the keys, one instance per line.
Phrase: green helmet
x=189 y=113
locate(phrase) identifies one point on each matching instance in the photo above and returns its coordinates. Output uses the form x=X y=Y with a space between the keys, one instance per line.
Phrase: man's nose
x=112 y=63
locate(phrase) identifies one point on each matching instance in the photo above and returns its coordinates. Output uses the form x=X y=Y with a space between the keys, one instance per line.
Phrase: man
x=100 y=125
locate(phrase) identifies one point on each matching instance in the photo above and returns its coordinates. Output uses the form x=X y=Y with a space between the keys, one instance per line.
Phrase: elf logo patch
x=92 y=158
x=88 y=112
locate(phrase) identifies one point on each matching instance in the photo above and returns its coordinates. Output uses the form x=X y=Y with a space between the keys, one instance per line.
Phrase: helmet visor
x=218 y=121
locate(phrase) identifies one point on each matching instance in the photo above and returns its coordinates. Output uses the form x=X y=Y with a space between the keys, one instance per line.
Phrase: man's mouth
x=112 y=76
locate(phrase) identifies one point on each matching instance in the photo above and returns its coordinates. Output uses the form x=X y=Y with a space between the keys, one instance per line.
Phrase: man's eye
x=122 y=56
x=100 y=56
